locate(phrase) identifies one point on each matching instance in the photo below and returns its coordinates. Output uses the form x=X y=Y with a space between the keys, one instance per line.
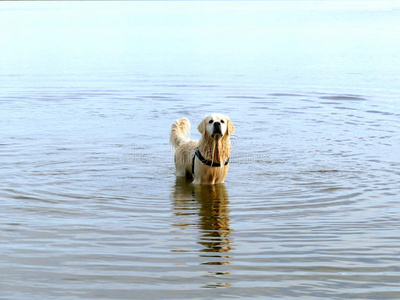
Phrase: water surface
x=90 y=205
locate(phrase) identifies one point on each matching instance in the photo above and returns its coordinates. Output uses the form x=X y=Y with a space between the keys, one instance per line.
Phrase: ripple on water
x=345 y=97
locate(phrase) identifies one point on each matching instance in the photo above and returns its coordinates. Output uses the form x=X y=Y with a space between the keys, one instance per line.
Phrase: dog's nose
x=217 y=125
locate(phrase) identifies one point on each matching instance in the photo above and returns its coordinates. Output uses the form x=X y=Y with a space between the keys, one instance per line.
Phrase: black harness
x=205 y=161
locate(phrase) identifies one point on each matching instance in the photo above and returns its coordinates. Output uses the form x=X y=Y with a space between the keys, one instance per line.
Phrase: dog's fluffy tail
x=179 y=131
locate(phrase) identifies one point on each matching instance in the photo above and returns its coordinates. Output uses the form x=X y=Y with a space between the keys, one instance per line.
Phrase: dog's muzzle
x=217 y=129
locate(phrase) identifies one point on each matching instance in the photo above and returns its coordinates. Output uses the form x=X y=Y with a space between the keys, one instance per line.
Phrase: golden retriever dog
x=206 y=160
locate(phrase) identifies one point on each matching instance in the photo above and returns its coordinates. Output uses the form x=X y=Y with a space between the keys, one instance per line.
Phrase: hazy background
x=319 y=43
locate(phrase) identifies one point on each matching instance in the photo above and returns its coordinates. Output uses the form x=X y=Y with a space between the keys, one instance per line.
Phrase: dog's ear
x=202 y=127
x=230 y=128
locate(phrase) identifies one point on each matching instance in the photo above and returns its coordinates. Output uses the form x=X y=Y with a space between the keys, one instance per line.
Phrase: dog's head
x=216 y=126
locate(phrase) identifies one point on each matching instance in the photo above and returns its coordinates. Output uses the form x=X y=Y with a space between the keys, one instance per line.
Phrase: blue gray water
x=90 y=206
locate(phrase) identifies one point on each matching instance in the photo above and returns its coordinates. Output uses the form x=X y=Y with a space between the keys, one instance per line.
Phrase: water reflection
x=210 y=204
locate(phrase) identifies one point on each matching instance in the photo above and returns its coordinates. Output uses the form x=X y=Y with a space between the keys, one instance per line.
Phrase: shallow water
x=90 y=205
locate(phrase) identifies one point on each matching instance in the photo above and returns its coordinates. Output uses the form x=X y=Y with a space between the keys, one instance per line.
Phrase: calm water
x=90 y=207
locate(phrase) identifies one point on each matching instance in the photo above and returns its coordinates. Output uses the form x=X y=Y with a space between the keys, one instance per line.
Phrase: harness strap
x=205 y=161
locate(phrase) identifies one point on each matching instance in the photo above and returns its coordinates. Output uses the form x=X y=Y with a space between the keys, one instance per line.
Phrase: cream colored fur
x=216 y=149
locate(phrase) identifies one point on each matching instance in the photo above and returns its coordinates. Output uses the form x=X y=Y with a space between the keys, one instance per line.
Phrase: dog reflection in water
x=211 y=203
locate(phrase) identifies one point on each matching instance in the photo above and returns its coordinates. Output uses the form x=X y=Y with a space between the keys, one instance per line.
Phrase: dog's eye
x=222 y=121
x=210 y=121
